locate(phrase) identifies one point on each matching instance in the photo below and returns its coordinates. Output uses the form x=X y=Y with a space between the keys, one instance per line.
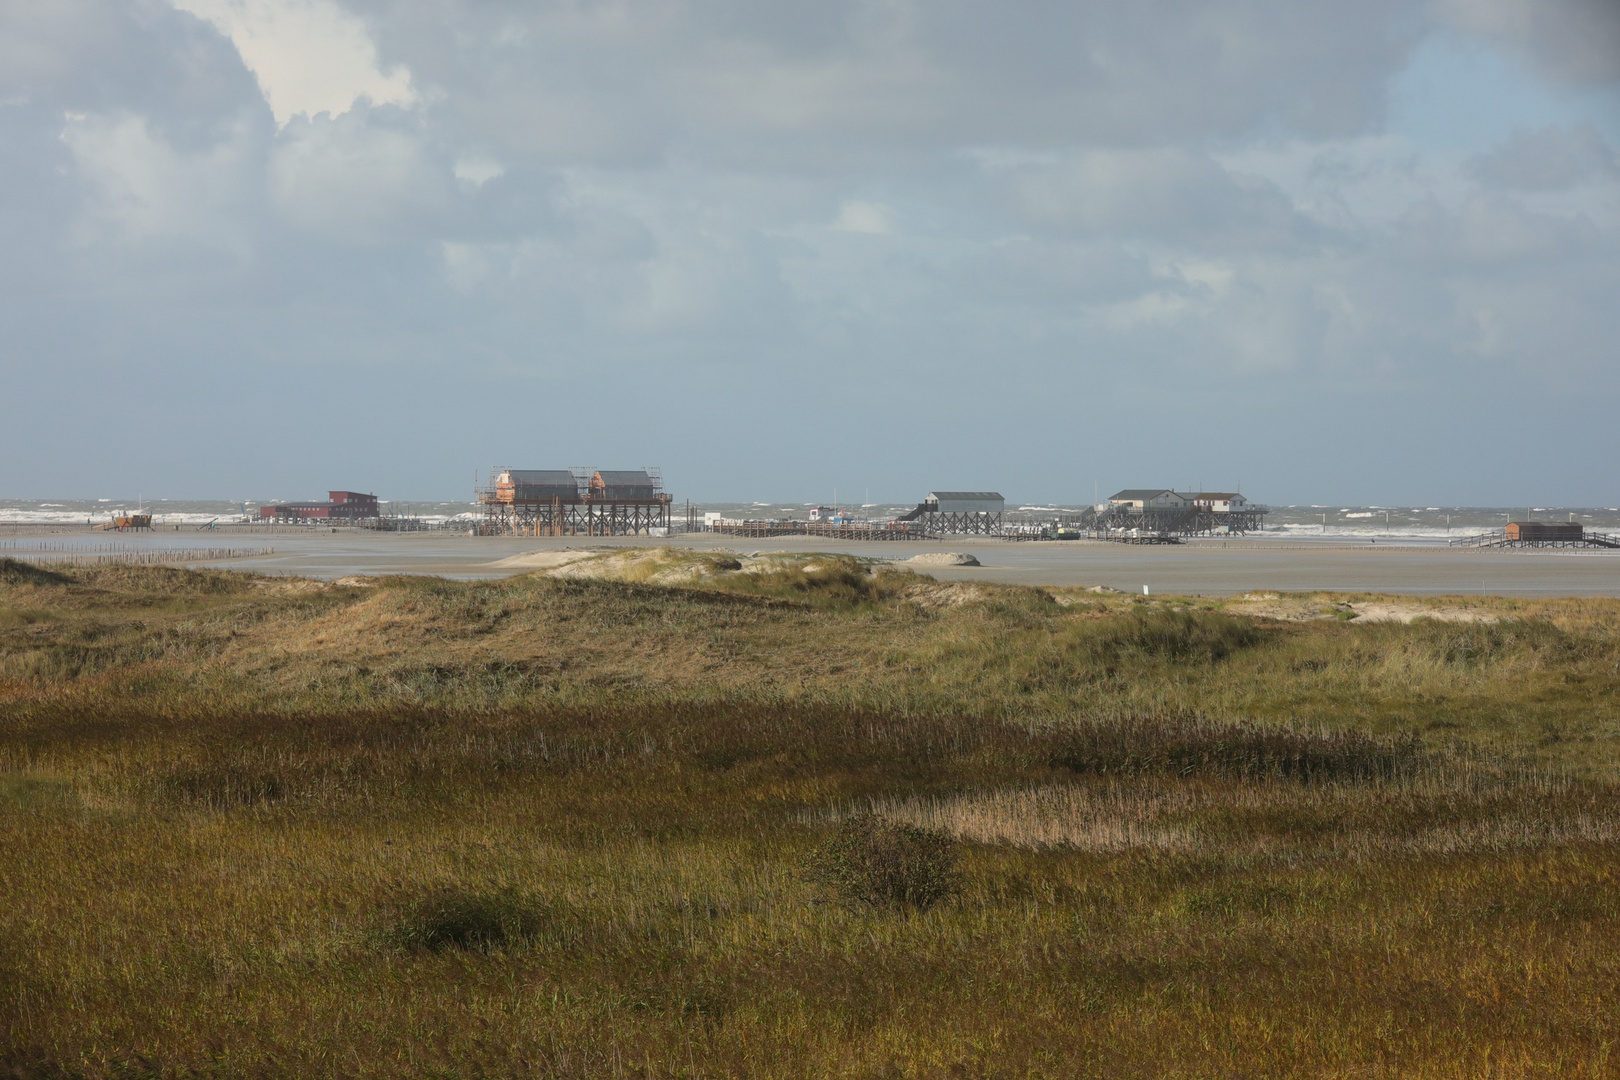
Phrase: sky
x=1349 y=253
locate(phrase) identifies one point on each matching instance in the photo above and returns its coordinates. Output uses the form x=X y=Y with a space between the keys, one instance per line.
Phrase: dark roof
x=1143 y=494
x=635 y=485
x=966 y=495
x=1215 y=495
x=542 y=477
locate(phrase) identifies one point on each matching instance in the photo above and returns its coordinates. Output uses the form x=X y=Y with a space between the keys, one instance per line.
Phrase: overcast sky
x=1350 y=252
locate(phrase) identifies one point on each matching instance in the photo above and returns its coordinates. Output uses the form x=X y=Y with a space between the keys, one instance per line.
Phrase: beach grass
x=813 y=818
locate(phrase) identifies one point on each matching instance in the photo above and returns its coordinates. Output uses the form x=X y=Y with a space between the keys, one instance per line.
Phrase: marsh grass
x=562 y=827
x=880 y=862
x=1171 y=634
x=18 y=572
x=457 y=918
x=221 y=787
x=1191 y=745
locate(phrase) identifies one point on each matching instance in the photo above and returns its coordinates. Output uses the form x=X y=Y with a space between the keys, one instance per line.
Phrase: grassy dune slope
x=579 y=824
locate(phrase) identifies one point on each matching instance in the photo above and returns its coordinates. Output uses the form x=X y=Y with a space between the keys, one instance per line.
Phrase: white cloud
x=475 y=170
x=145 y=188
x=350 y=178
x=864 y=217
x=309 y=56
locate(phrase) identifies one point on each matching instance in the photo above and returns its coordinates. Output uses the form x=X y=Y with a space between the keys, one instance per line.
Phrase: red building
x=340 y=506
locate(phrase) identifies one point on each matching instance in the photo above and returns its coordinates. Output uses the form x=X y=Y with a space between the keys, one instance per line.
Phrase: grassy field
x=674 y=815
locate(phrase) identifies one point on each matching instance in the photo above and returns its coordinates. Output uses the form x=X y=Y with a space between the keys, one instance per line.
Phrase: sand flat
x=541 y=560
x=1201 y=567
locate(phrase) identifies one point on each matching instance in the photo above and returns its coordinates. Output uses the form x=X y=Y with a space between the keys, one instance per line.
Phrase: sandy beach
x=1199 y=567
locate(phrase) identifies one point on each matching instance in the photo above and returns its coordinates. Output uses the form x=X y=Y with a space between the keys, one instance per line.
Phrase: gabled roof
x=1226 y=495
x=981 y=495
x=540 y=476
x=628 y=477
x=1139 y=494
x=538 y=483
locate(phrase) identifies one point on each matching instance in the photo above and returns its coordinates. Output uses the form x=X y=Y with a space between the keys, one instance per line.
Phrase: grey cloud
x=1550 y=159
x=1544 y=322
x=366 y=175
x=1575 y=41
x=1037 y=274
x=626 y=84
x=650 y=208
x=1165 y=194
x=127 y=56
x=1491 y=231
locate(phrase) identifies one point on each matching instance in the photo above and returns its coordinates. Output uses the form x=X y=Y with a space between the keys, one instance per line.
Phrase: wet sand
x=1202 y=567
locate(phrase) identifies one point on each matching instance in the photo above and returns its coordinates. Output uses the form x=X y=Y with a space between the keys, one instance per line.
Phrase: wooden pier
x=852 y=530
x=1128 y=524
x=578 y=502
x=1539 y=534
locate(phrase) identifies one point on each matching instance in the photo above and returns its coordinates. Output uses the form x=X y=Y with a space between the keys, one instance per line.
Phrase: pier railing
x=1499 y=539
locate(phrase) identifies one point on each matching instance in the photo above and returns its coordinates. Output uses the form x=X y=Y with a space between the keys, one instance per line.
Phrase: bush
x=882 y=864
x=17 y=572
x=460 y=919
x=825 y=581
x=1172 y=635
x=223 y=787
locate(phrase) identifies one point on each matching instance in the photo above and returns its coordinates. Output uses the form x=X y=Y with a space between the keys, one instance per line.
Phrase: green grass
x=811 y=819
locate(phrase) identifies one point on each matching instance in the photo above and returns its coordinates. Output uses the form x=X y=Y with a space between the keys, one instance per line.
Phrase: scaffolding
x=963 y=523
x=1135 y=524
x=958 y=513
x=574 y=502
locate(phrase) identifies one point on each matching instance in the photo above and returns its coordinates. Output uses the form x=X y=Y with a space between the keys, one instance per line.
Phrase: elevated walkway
x=1500 y=539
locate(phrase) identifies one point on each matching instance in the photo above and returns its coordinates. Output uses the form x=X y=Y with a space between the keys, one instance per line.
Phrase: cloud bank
x=780 y=248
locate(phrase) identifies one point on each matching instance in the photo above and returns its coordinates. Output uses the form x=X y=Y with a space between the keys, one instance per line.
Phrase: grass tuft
x=222 y=787
x=17 y=572
x=880 y=863
x=1173 y=634
x=1190 y=745
x=830 y=581
x=457 y=918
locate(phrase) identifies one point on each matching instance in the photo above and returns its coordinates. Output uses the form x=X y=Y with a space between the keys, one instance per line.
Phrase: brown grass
x=565 y=827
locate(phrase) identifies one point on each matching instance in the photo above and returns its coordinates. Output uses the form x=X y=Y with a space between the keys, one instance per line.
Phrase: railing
x=62 y=556
x=1499 y=538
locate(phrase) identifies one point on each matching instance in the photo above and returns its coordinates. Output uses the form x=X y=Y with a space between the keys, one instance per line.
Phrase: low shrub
x=33 y=1063
x=223 y=787
x=1184 y=745
x=17 y=572
x=829 y=581
x=884 y=864
x=1171 y=635
x=1472 y=645
x=454 y=918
